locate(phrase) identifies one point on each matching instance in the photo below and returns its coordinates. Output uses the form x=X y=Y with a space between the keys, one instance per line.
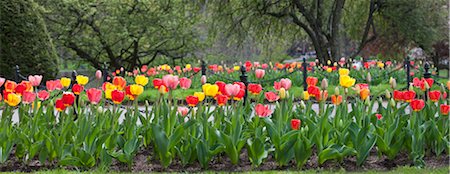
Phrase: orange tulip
x=119 y=82
x=364 y=93
x=336 y=99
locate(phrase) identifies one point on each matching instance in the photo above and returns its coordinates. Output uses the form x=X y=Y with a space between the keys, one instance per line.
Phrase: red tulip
x=28 y=97
x=248 y=64
x=240 y=95
x=409 y=95
x=68 y=98
x=259 y=73
x=417 y=104
x=157 y=83
x=170 y=81
x=117 y=96
x=43 y=95
x=77 y=89
x=221 y=86
x=271 y=96
x=197 y=69
x=35 y=80
x=192 y=100
x=120 y=82
x=313 y=90
x=379 y=116
x=434 y=95
x=20 y=89
x=185 y=83
x=183 y=111
x=254 y=89
x=59 y=105
x=262 y=110
x=221 y=99
x=295 y=124
x=419 y=83
x=444 y=109
x=430 y=81
x=241 y=84
x=232 y=89
x=312 y=81
x=94 y=95
x=444 y=95
x=398 y=95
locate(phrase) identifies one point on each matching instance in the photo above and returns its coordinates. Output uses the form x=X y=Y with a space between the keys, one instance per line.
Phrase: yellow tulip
x=108 y=93
x=188 y=66
x=82 y=80
x=305 y=95
x=200 y=96
x=329 y=62
x=12 y=99
x=282 y=93
x=329 y=70
x=136 y=90
x=65 y=82
x=141 y=80
x=346 y=81
x=343 y=71
x=380 y=65
x=163 y=89
x=237 y=68
x=210 y=90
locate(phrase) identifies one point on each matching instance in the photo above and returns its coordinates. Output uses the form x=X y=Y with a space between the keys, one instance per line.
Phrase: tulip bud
x=282 y=93
x=341 y=123
x=411 y=88
x=388 y=94
x=100 y=109
x=393 y=83
x=369 y=78
x=335 y=64
x=324 y=84
x=392 y=102
x=346 y=90
x=329 y=62
x=380 y=99
x=427 y=86
x=302 y=104
x=98 y=74
x=147 y=104
x=367 y=101
x=336 y=91
x=203 y=79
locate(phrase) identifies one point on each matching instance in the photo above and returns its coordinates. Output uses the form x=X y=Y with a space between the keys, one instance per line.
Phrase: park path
x=315 y=107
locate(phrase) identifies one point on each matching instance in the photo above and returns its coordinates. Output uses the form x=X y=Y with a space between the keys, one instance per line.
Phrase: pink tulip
x=271 y=96
x=144 y=68
x=262 y=110
x=260 y=73
x=232 y=89
x=53 y=85
x=170 y=81
x=135 y=72
x=94 y=95
x=284 y=83
x=185 y=83
x=2 y=81
x=183 y=111
x=43 y=95
x=35 y=80
x=98 y=74
x=28 y=97
x=203 y=79
x=264 y=66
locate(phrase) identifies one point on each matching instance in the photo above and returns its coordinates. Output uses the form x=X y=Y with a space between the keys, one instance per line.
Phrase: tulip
x=398 y=95
x=196 y=69
x=98 y=74
x=324 y=84
x=329 y=70
x=232 y=89
x=417 y=104
x=311 y=81
x=43 y=95
x=117 y=96
x=313 y=90
x=284 y=83
x=185 y=83
x=221 y=99
x=68 y=98
x=262 y=110
x=128 y=93
x=59 y=105
x=210 y=90
x=2 y=81
x=379 y=116
x=20 y=89
x=271 y=96
x=136 y=90
x=295 y=124
x=35 y=80
x=94 y=95
x=77 y=89
x=260 y=73
x=163 y=89
x=429 y=81
x=369 y=77
x=305 y=95
x=12 y=99
x=141 y=80
x=448 y=85
x=119 y=82
x=144 y=68
x=434 y=95
x=409 y=95
x=282 y=93
x=157 y=83
x=393 y=83
x=200 y=96
x=444 y=109
x=170 y=81
x=343 y=72
x=254 y=89
x=192 y=100
x=203 y=79
x=183 y=111
x=53 y=85
x=28 y=97
x=221 y=86
x=65 y=82
x=336 y=99
x=240 y=95
x=346 y=81
x=364 y=93
x=387 y=94
x=322 y=96
x=10 y=86
x=82 y=80
x=188 y=66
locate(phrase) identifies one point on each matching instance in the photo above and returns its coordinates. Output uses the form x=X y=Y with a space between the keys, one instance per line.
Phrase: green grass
x=400 y=170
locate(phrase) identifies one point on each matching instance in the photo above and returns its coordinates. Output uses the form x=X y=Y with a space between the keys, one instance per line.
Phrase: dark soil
x=145 y=161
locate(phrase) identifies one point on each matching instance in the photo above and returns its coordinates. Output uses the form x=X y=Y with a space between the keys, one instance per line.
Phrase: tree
x=24 y=40
x=124 y=33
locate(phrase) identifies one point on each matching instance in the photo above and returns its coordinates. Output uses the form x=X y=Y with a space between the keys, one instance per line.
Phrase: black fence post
x=427 y=75
x=408 y=72
x=305 y=75
x=17 y=74
x=105 y=72
x=244 y=80
x=73 y=79
x=203 y=66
